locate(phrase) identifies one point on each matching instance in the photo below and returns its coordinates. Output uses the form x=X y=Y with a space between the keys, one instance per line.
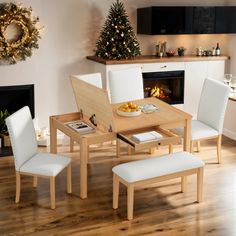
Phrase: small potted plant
x=181 y=51
x=3 y=128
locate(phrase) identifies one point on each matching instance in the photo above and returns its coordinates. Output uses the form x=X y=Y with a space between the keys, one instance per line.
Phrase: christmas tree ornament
x=117 y=33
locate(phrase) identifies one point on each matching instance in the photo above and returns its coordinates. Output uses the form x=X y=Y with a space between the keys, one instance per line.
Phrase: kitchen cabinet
x=225 y=20
x=195 y=74
x=167 y=20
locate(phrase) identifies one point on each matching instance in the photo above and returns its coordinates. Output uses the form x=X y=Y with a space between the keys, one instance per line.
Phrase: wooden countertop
x=155 y=59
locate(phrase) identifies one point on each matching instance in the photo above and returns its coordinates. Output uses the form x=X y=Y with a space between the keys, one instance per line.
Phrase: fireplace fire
x=167 y=86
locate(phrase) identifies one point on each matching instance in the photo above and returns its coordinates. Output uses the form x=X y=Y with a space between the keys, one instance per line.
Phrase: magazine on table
x=80 y=127
x=146 y=137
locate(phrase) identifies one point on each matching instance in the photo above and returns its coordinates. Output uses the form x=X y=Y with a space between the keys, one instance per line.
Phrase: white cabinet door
x=195 y=74
x=216 y=70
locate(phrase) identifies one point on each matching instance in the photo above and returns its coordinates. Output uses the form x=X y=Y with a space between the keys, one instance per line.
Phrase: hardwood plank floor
x=158 y=210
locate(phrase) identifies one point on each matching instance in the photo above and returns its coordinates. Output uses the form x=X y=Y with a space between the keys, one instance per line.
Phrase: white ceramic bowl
x=128 y=114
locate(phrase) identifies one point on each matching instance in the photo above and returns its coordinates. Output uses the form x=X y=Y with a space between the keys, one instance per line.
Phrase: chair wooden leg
x=199 y=184
x=71 y=145
x=35 y=181
x=69 y=184
x=18 y=187
x=219 y=140
x=117 y=148
x=52 y=192
x=170 y=148
x=130 y=201
x=198 y=146
x=191 y=146
x=183 y=184
x=116 y=183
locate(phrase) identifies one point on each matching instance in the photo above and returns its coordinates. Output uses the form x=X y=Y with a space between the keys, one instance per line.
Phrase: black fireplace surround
x=167 y=86
x=12 y=98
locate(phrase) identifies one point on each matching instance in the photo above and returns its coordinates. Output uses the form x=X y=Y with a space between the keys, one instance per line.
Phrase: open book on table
x=147 y=136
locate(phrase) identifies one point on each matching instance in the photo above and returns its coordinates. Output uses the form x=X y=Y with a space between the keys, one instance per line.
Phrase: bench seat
x=153 y=170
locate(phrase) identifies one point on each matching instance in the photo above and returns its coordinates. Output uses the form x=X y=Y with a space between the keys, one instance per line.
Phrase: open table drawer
x=168 y=138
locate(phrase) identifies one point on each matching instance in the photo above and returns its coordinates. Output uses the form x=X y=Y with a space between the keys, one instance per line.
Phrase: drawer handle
x=162 y=67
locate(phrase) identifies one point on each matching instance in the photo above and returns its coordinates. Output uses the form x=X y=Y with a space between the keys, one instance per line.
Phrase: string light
x=29 y=32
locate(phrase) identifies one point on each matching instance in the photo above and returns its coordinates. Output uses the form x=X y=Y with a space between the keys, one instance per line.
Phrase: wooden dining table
x=94 y=101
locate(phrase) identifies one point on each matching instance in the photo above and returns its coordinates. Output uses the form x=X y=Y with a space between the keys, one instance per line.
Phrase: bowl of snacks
x=170 y=53
x=128 y=109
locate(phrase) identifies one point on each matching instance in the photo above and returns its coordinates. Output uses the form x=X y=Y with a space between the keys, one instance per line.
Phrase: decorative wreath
x=19 y=33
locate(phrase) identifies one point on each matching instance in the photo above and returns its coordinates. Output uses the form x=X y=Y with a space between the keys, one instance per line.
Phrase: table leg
x=53 y=137
x=83 y=168
x=187 y=134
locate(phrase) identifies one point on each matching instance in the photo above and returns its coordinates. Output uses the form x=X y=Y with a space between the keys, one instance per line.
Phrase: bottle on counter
x=213 y=51
x=217 y=49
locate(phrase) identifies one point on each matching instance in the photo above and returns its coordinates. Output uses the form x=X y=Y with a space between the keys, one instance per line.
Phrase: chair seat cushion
x=157 y=166
x=46 y=164
x=201 y=130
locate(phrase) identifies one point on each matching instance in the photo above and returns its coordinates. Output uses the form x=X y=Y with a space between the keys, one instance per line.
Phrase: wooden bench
x=140 y=173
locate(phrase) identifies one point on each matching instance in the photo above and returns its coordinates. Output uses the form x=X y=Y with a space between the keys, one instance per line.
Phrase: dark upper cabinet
x=203 y=20
x=225 y=20
x=186 y=20
x=161 y=20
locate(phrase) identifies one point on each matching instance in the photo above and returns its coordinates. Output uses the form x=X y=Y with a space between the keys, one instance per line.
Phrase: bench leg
x=183 y=184
x=52 y=192
x=130 y=201
x=69 y=183
x=115 y=191
x=199 y=184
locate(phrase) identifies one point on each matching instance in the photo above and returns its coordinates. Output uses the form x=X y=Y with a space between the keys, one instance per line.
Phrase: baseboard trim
x=229 y=134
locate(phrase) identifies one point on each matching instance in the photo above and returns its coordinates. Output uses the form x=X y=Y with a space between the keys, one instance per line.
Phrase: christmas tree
x=117 y=39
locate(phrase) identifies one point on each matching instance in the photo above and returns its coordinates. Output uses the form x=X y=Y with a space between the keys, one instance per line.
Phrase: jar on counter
x=213 y=51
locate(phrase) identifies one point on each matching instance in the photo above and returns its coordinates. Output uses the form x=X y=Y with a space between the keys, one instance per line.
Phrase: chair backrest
x=22 y=135
x=213 y=102
x=94 y=79
x=126 y=85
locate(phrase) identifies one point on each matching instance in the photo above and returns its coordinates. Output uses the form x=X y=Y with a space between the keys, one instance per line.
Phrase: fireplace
x=167 y=86
x=13 y=98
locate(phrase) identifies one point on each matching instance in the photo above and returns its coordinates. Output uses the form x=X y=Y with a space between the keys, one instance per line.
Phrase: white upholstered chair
x=126 y=85
x=93 y=78
x=210 y=116
x=28 y=161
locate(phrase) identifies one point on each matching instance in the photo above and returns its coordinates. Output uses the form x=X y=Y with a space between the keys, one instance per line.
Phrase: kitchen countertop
x=155 y=59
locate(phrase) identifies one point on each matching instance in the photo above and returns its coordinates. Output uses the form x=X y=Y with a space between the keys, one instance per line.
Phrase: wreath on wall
x=19 y=32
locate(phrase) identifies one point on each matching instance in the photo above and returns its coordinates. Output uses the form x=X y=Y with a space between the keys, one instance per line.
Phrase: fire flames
x=158 y=92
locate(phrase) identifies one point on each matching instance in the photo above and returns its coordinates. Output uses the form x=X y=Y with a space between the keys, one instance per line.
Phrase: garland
x=27 y=38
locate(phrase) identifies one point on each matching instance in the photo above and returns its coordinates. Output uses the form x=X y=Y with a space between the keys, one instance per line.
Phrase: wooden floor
x=158 y=210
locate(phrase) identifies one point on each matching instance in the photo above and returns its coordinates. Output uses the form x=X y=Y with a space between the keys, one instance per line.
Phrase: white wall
x=71 y=28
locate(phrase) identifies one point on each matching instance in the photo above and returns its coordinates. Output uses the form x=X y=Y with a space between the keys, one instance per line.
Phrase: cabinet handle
x=162 y=67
